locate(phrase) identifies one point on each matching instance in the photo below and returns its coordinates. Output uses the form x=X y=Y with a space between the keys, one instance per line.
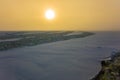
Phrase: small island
x=110 y=68
x=9 y=40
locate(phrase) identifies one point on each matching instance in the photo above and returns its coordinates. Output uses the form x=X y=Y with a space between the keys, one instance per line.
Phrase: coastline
x=21 y=39
x=74 y=59
x=110 y=68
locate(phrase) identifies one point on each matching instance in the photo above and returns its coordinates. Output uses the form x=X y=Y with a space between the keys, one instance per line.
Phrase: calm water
x=75 y=59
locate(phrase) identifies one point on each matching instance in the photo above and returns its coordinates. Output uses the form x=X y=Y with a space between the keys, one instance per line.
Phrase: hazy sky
x=70 y=15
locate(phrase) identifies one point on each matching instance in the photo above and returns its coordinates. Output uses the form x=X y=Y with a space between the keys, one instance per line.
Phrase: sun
x=49 y=14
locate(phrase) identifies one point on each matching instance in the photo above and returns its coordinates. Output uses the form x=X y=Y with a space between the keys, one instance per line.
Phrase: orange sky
x=70 y=15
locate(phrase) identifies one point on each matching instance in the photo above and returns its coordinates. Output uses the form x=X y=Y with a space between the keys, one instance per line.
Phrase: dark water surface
x=75 y=59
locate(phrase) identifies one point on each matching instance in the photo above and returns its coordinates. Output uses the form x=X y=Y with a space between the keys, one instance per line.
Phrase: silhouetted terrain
x=110 y=69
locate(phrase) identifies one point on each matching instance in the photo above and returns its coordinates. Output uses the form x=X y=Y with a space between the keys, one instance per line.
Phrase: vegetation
x=34 y=38
x=110 y=69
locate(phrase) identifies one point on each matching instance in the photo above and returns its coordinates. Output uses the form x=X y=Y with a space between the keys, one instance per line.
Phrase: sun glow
x=49 y=14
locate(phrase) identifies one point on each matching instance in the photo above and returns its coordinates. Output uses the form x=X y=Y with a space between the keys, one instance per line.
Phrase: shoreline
x=32 y=39
x=74 y=59
x=110 y=68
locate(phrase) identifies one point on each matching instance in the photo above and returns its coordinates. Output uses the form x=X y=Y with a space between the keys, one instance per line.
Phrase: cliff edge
x=110 y=69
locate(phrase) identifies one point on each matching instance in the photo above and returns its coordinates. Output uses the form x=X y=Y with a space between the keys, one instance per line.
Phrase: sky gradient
x=70 y=15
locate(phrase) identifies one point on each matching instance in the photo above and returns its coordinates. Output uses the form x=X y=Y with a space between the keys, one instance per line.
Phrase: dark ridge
x=110 y=69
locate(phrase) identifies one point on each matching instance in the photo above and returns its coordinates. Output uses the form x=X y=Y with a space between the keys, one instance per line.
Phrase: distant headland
x=9 y=40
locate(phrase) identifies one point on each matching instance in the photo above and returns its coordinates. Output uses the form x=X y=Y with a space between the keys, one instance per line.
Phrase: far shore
x=11 y=40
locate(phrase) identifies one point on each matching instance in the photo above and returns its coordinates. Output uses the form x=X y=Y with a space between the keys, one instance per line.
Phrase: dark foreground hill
x=110 y=69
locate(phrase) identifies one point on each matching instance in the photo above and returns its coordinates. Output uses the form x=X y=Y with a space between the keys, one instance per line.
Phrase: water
x=75 y=59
